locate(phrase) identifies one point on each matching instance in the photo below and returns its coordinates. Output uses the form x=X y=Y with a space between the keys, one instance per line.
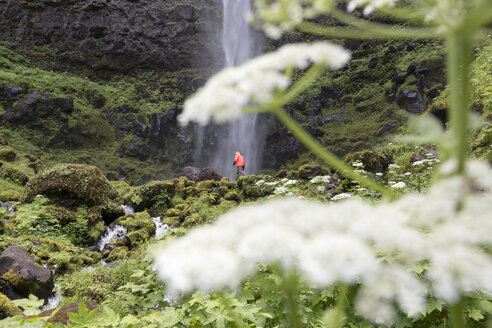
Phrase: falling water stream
x=243 y=135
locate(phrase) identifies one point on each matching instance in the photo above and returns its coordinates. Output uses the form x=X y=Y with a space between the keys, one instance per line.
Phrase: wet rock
x=332 y=118
x=20 y=271
x=412 y=101
x=307 y=171
x=196 y=174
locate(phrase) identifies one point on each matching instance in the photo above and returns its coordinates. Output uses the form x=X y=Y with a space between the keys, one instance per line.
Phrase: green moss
x=117 y=254
x=7 y=308
x=20 y=284
x=140 y=221
x=172 y=221
x=155 y=196
x=173 y=212
x=233 y=195
x=83 y=183
x=206 y=185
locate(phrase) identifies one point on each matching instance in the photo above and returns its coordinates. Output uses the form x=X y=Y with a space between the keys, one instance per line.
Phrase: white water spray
x=243 y=135
x=128 y=209
x=53 y=301
x=111 y=234
x=160 y=228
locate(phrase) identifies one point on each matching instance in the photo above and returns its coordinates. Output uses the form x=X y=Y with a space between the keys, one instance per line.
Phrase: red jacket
x=239 y=159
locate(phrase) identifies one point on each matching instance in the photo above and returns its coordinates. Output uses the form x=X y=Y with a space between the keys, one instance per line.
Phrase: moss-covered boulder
x=76 y=182
x=309 y=170
x=193 y=220
x=207 y=185
x=233 y=195
x=155 y=197
x=19 y=270
x=247 y=186
x=7 y=308
x=63 y=215
x=172 y=221
x=173 y=212
x=140 y=227
x=10 y=195
x=13 y=175
x=7 y=154
x=118 y=253
x=373 y=160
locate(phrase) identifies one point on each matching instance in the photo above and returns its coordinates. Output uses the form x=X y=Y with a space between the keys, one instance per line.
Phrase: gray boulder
x=20 y=275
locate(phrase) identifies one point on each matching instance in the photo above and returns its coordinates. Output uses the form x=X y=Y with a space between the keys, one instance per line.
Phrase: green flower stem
x=291 y=293
x=384 y=33
x=460 y=49
x=331 y=159
x=456 y=316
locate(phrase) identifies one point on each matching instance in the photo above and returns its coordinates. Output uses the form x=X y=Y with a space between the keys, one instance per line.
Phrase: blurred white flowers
x=253 y=83
x=345 y=241
x=277 y=17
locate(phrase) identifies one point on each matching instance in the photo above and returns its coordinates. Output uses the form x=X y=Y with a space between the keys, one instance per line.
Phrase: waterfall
x=243 y=135
x=116 y=232
x=128 y=209
x=53 y=301
x=160 y=228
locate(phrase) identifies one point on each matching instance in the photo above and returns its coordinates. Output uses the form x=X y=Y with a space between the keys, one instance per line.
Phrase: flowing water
x=160 y=228
x=53 y=301
x=128 y=209
x=111 y=234
x=243 y=135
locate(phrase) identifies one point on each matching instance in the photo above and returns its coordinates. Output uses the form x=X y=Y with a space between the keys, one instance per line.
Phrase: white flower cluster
x=370 y=5
x=399 y=185
x=320 y=179
x=253 y=83
x=280 y=190
x=426 y=161
x=344 y=241
x=280 y=16
x=341 y=196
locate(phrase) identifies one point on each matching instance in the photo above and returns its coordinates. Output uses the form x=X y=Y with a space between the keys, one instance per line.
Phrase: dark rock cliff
x=117 y=35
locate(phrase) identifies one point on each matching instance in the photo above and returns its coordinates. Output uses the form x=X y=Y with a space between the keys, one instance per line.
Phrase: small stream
x=160 y=228
x=111 y=234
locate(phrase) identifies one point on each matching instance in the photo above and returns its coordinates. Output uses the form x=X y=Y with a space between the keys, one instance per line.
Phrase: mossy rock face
x=138 y=237
x=117 y=254
x=155 y=197
x=233 y=195
x=7 y=308
x=374 y=160
x=95 y=232
x=82 y=183
x=8 y=154
x=206 y=185
x=139 y=221
x=307 y=171
x=193 y=220
x=55 y=246
x=10 y=196
x=247 y=186
x=63 y=215
x=173 y=212
x=14 y=175
x=172 y=221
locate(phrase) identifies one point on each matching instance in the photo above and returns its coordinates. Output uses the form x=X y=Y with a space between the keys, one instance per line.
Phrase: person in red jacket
x=240 y=164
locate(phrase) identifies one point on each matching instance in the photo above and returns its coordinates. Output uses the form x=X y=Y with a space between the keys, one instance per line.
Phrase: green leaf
x=30 y=305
